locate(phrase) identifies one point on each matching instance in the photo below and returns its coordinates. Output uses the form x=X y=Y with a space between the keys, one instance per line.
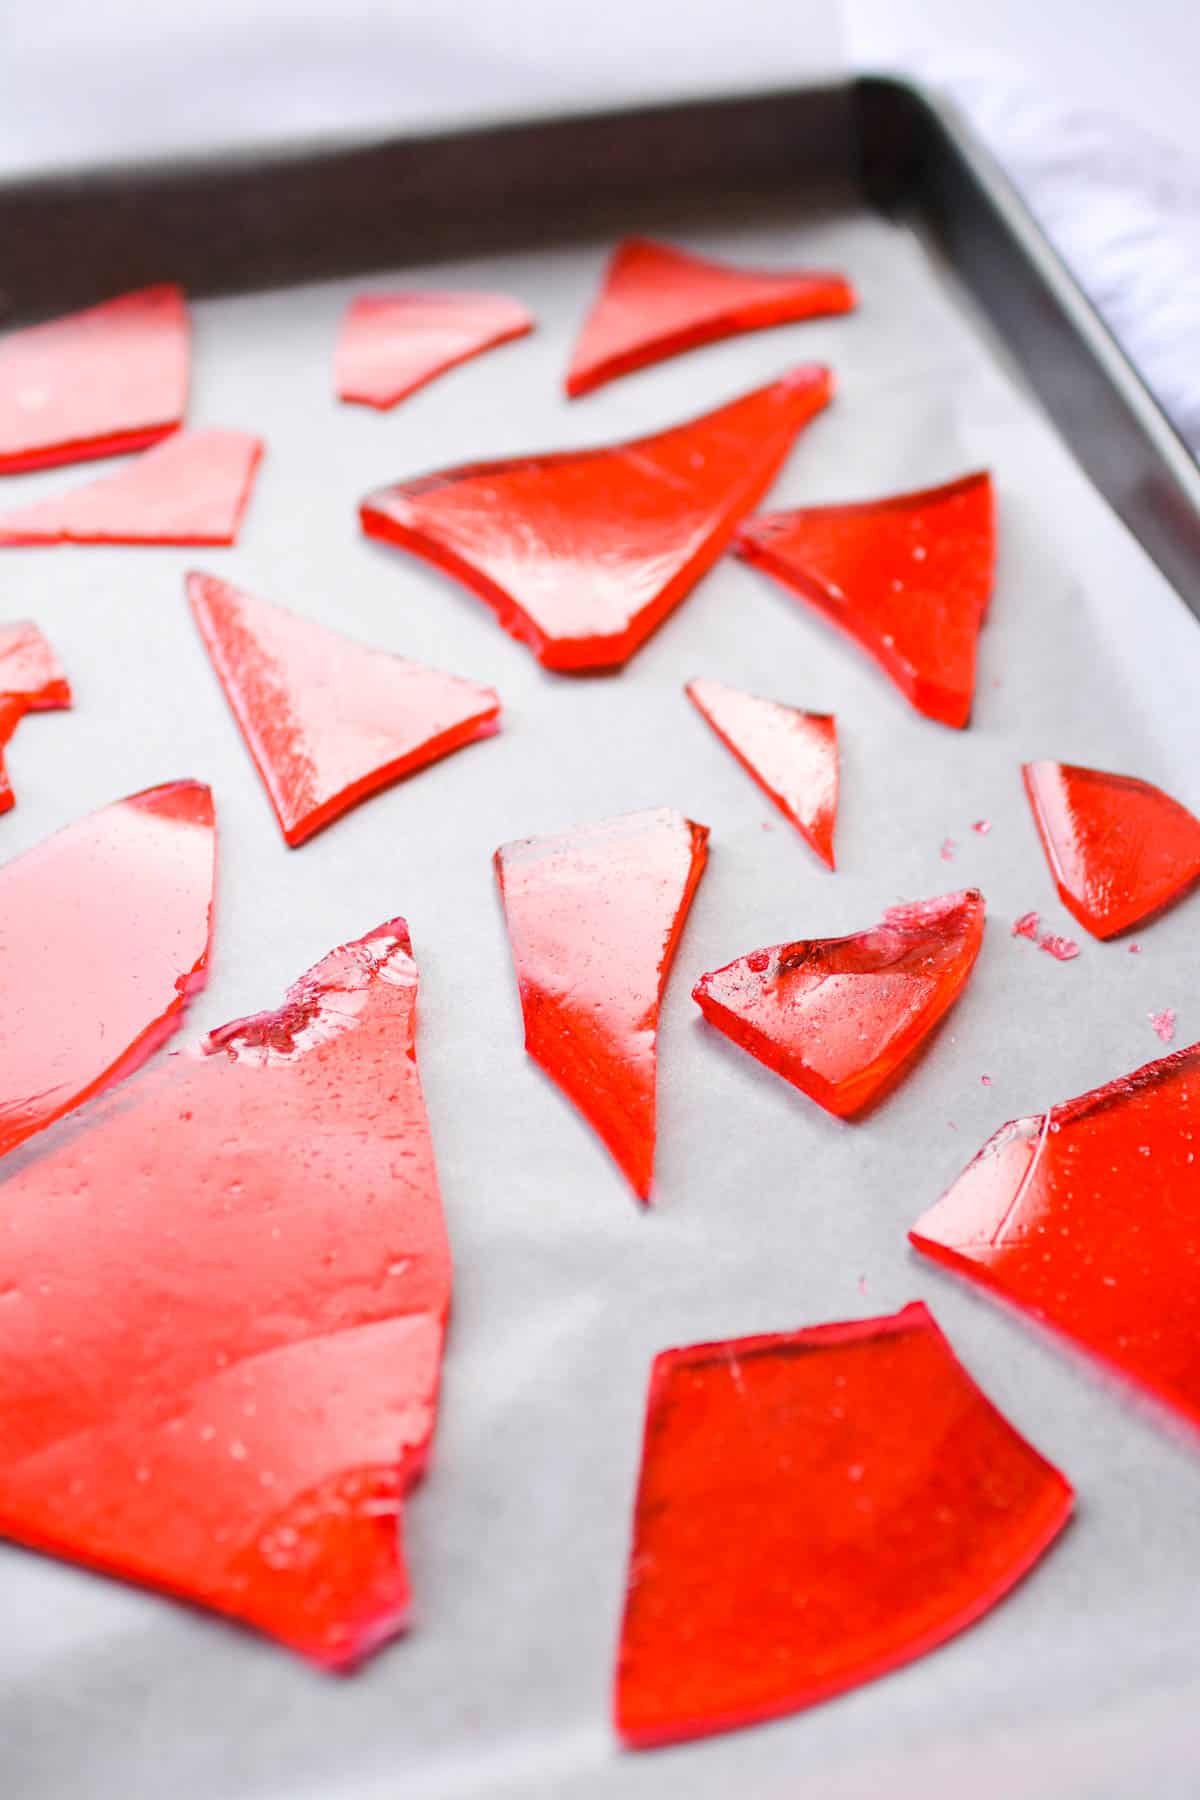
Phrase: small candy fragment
x=1164 y=1023
x=391 y=344
x=594 y=916
x=327 y=721
x=192 y=490
x=949 y=850
x=908 y=577
x=1118 y=848
x=840 y=1017
x=1085 y=1217
x=31 y=680
x=1063 y=949
x=982 y=826
x=95 y=383
x=815 y=1508
x=105 y=939
x=581 y=554
x=235 y=1413
x=1027 y=926
x=986 y=1080
x=791 y=754
x=657 y=301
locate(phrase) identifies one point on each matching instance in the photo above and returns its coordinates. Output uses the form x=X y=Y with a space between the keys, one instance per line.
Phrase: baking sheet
x=769 y=1215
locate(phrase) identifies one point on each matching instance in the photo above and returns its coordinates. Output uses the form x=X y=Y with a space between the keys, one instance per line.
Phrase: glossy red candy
x=30 y=681
x=816 y=1508
x=192 y=490
x=840 y=1017
x=1119 y=849
x=391 y=344
x=95 y=383
x=104 y=934
x=791 y=754
x=328 y=721
x=657 y=301
x=1086 y=1217
x=594 y=917
x=224 y=1302
x=582 y=554
x=909 y=578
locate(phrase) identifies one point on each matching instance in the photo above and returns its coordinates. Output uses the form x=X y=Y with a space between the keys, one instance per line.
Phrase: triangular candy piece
x=328 y=721
x=95 y=383
x=840 y=1017
x=791 y=754
x=1118 y=848
x=391 y=344
x=909 y=578
x=224 y=1302
x=593 y=918
x=192 y=490
x=104 y=940
x=657 y=301
x=1085 y=1218
x=582 y=554
x=30 y=681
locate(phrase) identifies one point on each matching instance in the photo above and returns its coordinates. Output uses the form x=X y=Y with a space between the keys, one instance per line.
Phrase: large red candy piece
x=224 y=1303
x=31 y=680
x=840 y=1017
x=328 y=721
x=791 y=754
x=594 y=917
x=582 y=554
x=1118 y=848
x=816 y=1508
x=391 y=344
x=95 y=383
x=909 y=578
x=1086 y=1217
x=104 y=934
x=192 y=490
x=657 y=301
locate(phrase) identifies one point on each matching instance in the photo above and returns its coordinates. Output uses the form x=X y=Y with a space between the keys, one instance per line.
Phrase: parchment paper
x=1086 y=1681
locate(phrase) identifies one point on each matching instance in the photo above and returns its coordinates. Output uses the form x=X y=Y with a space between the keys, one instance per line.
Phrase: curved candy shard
x=104 y=934
x=96 y=383
x=192 y=490
x=391 y=344
x=1118 y=848
x=594 y=917
x=815 y=1509
x=235 y=1414
x=581 y=554
x=31 y=680
x=1085 y=1218
x=327 y=721
x=908 y=577
x=792 y=755
x=657 y=301
x=840 y=1017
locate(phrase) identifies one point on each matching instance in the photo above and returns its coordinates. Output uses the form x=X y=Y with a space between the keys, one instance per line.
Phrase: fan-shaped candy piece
x=657 y=301
x=31 y=680
x=581 y=554
x=392 y=344
x=791 y=754
x=909 y=578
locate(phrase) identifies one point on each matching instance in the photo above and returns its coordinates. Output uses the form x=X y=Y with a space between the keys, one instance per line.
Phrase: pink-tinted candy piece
x=792 y=755
x=391 y=344
x=31 y=680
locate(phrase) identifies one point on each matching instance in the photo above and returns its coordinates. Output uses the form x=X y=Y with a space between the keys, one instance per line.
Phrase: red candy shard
x=582 y=553
x=105 y=939
x=791 y=754
x=657 y=301
x=31 y=680
x=1118 y=848
x=1085 y=1218
x=192 y=490
x=328 y=721
x=391 y=344
x=1163 y=1023
x=1062 y=949
x=816 y=1508
x=235 y=1414
x=594 y=916
x=839 y=1017
x=909 y=578
x=96 y=383
x=1027 y=926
